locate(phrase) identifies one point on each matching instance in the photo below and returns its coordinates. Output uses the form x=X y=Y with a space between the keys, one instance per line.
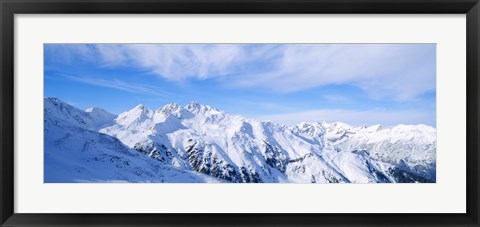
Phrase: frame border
x=9 y=8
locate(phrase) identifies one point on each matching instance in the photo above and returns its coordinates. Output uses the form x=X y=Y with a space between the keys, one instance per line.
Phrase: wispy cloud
x=355 y=117
x=396 y=71
x=173 y=61
x=118 y=84
x=400 y=72
x=336 y=98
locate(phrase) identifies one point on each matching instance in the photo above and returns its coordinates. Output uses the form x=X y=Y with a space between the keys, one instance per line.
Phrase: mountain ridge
x=232 y=148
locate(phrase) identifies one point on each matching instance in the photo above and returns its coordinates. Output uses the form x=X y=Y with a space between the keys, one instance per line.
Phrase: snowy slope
x=198 y=143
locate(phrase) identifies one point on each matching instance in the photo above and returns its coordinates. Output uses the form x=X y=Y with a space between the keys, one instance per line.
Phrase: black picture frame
x=9 y=8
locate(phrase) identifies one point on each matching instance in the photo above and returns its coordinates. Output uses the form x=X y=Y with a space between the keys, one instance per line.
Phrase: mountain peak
x=172 y=106
x=55 y=101
x=139 y=106
x=100 y=113
x=96 y=110
x=57 y=105
x=169 y=108
x=51 y=99
x=193 y=106
x=92 y=109
x=139 y=109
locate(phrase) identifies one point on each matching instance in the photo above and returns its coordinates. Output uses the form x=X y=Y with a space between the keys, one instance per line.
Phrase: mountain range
x=197 y=143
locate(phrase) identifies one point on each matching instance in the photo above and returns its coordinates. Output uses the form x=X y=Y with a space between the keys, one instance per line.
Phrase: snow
x=199 y=143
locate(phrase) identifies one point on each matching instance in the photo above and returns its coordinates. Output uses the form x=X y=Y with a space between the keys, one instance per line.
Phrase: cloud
x=119 y=85
x=355 y=117
x=396 y=71
x=400 y=72
x=176 y=62
x=336 y=98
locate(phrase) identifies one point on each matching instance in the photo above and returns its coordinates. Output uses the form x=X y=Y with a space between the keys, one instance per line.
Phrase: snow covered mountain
x=73 y=152
x=198 y=143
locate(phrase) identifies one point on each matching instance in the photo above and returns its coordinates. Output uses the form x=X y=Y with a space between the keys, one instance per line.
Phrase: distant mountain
x=198 y=143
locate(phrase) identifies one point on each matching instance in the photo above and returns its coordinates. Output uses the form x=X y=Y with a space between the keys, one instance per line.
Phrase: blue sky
x=359 y=84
